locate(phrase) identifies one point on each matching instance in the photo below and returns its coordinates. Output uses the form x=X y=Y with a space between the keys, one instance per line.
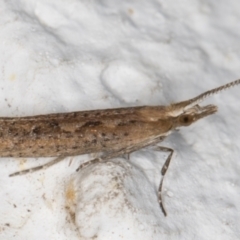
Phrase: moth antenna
x=203 y=96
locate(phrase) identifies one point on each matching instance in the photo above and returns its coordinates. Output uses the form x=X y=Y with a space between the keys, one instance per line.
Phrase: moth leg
x=103 y=158
x=127 y=156
x=120 y=152
x=97 y=160
x=85 y=164
x=163 y=172
x=34 y=169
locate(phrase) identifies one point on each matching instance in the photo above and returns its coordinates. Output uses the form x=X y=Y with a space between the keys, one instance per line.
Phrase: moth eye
x=186 y=120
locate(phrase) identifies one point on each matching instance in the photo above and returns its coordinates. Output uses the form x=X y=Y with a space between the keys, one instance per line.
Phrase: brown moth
x=112 y=132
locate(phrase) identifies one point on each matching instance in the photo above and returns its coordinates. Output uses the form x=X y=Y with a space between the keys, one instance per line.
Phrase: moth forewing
x=114 y=132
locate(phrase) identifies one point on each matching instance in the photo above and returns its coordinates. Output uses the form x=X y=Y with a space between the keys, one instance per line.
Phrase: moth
x=111 y=132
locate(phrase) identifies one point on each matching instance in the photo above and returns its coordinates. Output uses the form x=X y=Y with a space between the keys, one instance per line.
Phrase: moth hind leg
x=41 y=167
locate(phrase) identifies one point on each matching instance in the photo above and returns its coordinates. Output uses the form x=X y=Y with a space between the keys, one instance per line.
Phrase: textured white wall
x=61 y=56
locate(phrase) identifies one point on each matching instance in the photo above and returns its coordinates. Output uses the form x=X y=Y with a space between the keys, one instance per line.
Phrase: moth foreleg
x=163 y=172
x=34 y=169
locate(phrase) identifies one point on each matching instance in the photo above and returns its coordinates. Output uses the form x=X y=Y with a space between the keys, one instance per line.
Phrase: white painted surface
x=60 y=56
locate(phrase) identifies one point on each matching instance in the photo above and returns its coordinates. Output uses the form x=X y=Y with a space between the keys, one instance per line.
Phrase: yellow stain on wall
x=12 y=77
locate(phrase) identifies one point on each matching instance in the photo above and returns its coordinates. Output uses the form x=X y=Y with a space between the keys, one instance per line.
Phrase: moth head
x=188 y=112
x=194 y=114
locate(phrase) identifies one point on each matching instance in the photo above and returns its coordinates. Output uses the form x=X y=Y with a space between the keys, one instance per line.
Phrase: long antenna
x=203 y=96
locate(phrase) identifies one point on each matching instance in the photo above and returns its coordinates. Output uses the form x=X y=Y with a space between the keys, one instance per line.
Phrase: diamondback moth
x=111 y=132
